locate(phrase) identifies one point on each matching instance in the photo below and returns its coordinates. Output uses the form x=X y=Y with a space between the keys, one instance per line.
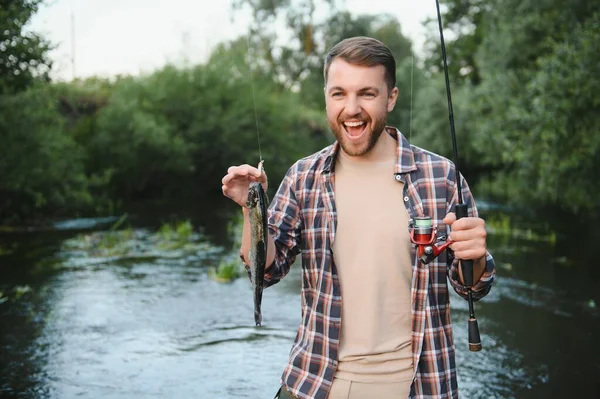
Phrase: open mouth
x=355 y=129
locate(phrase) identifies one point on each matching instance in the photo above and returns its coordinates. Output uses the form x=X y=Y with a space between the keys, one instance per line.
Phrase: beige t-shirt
x=372 y=256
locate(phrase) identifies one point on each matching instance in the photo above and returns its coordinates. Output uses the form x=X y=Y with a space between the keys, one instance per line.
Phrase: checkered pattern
x=302 y=220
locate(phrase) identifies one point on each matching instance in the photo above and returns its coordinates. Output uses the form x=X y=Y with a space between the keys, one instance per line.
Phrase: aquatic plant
x=171 y=239
x=229 y=269
x=230 y=266
x=18 y=292
x=174 y=235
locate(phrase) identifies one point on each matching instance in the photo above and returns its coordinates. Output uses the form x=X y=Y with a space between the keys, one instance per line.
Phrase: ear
x=392 y=99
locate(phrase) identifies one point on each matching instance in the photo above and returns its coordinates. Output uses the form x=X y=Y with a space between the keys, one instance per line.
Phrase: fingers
x=469 y=236
x=466 y=223
x=450 y=218
x=243 y=171
x=473 y=249
x=225 y=191
x=477 y=232
x=234 y=184
x=247 y=170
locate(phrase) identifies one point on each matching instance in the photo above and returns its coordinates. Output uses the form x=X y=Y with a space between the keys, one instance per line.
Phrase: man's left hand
x=469 y=236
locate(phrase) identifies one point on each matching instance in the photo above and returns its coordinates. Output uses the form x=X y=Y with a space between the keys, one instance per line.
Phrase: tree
x=554 y=109
x=530 y=113
x=297 y=55
x=23 y=55
x=42 y=167
x=463 y=25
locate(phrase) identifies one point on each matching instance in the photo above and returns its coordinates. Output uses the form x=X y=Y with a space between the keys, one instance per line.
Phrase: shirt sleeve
x=284 y=222
x=484 y=285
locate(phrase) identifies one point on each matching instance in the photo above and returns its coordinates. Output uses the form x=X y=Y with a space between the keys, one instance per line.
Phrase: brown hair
x=364 y=51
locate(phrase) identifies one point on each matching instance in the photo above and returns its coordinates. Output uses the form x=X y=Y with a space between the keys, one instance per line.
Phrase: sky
x=109 y=37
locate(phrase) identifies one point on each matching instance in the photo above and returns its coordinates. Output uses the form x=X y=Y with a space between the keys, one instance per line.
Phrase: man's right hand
x=237 y=181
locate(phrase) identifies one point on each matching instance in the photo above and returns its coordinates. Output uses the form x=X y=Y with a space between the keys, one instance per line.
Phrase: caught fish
x=257 y=204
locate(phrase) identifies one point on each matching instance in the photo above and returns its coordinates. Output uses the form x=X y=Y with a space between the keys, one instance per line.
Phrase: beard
x=372 y=134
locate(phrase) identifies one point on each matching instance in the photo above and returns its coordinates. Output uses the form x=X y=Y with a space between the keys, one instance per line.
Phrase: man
x=375 y=321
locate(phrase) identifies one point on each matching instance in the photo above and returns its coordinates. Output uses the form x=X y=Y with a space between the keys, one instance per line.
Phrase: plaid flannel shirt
x=302 y=220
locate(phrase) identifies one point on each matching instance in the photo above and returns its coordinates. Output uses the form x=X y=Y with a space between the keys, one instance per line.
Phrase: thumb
x=450 y=218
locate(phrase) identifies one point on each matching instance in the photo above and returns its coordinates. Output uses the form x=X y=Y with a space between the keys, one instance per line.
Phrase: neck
x=383 y=151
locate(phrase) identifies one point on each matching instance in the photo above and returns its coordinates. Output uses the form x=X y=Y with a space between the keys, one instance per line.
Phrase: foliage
x=502 y=224
x=23 y=55
x=161 y=137
x=463 y=27
x=229 y=269
x=563 y=122
x=296 y=62
x=42 y=167
x=527 y=121
x=18 y=292
x=539 y=103
x=523 y=79
x=230 y=266
x=171 y=240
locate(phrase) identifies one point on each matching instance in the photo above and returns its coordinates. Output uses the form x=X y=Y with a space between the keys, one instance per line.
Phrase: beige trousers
x=343 y=389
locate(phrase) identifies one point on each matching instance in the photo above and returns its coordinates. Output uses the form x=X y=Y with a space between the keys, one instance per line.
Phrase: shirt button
x=406 y=198
x=398 y=177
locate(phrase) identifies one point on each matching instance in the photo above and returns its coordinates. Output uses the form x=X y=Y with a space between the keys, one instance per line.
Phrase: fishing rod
x=461 y=208
x=422 y=232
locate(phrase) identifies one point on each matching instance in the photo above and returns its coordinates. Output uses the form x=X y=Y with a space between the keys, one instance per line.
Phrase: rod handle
x=474 y=338
x=465 y=264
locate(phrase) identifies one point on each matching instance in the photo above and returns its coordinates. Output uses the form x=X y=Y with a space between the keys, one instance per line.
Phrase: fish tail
x=258 y=316
x=257 y=305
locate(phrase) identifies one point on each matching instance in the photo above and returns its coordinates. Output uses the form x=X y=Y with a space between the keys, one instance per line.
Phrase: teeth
x=353 y=124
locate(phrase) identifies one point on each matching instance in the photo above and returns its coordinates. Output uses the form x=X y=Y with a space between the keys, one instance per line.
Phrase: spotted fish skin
x=257 y=205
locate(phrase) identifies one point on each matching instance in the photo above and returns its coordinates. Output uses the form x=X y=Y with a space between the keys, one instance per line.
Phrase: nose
x=352 y=107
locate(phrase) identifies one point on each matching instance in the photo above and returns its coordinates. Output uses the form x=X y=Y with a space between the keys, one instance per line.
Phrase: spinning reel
x=424 y=234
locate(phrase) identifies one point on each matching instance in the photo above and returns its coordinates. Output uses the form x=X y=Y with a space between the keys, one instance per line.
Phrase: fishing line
x=450 y=111
x=254 y=101
x=412 y=65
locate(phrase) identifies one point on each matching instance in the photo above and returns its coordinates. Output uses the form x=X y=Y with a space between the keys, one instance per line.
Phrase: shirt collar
x=405 y=161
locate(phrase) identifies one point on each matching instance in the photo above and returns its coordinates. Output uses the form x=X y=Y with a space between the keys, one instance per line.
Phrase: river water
x=150 y=322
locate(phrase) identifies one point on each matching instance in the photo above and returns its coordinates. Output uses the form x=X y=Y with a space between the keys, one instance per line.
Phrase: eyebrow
x=368 y=88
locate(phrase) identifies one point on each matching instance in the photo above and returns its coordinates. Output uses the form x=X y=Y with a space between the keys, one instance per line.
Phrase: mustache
x=353 y=118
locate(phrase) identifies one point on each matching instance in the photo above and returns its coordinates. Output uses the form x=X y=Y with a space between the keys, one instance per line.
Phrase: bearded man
x=375 y=320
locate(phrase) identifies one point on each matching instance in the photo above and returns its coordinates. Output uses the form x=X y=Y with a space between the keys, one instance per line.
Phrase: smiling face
x=357 y=99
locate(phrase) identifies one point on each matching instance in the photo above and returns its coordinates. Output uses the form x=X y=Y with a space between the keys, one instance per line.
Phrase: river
x=150 y=322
